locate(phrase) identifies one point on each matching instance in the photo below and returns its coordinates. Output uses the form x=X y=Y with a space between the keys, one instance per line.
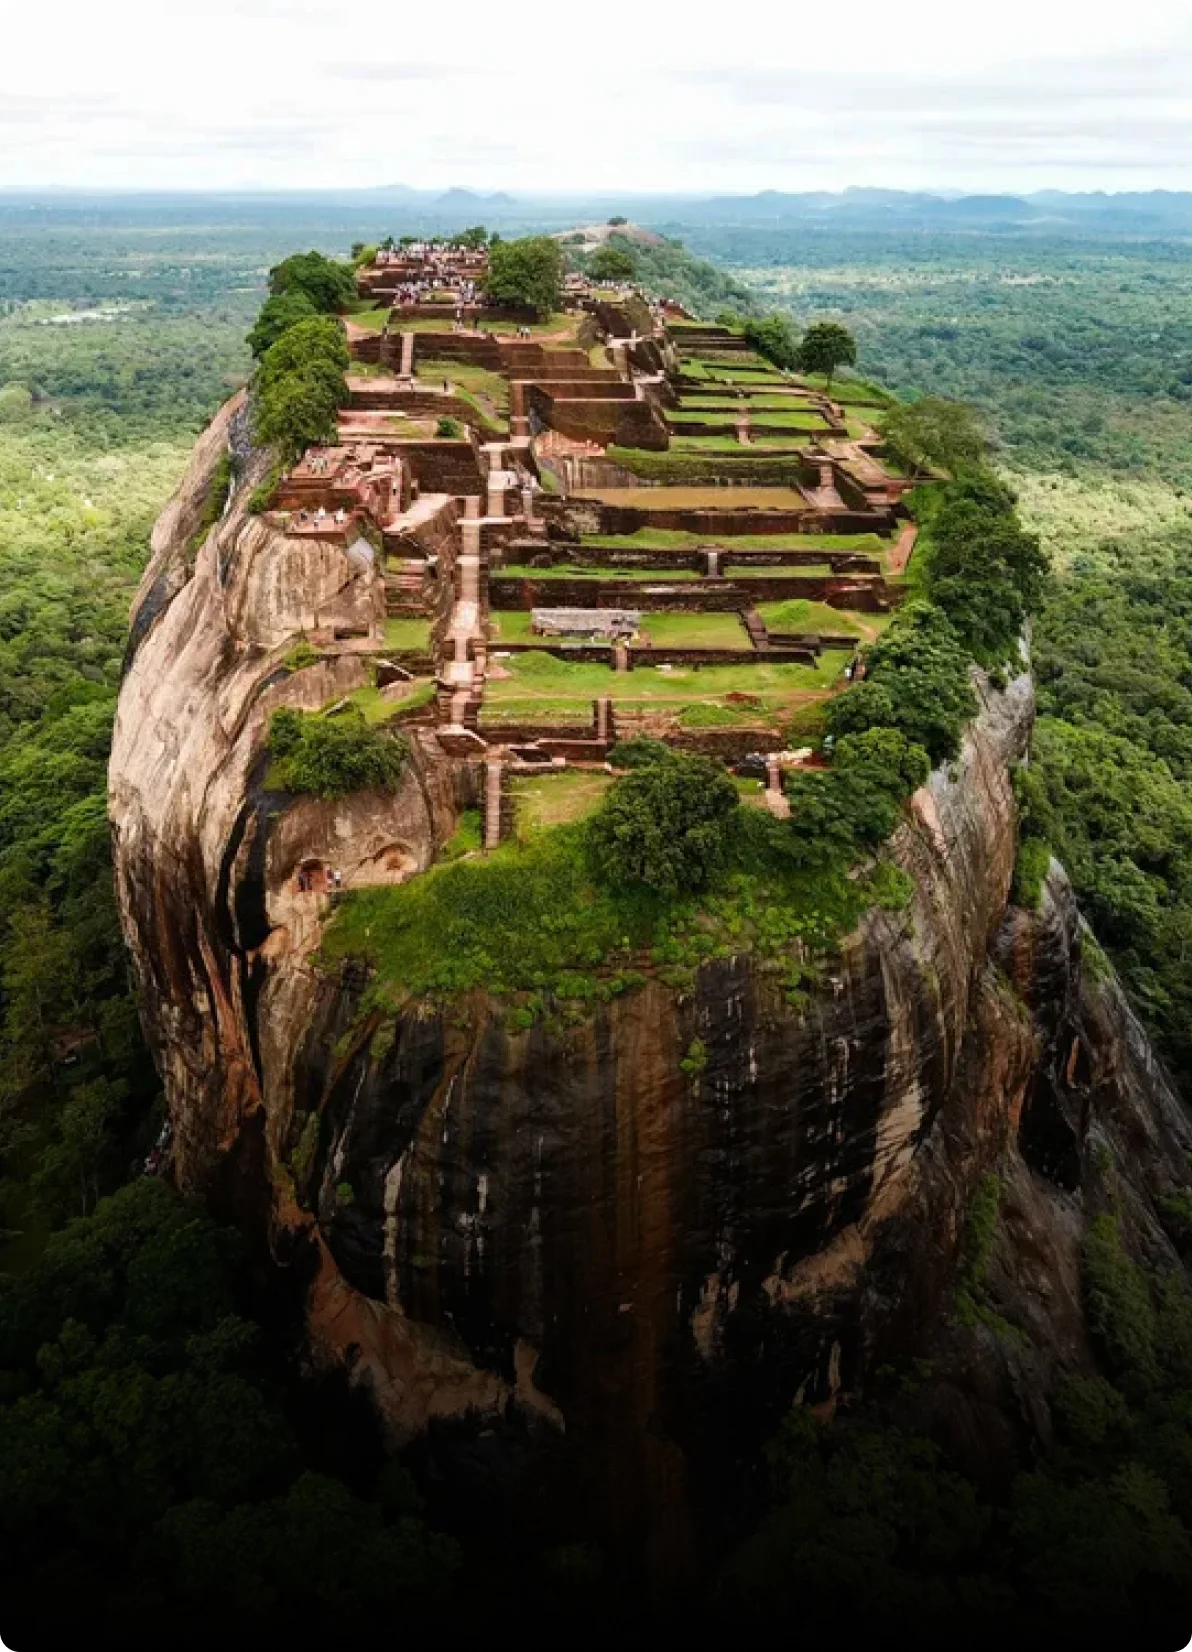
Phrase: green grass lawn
x=545 y=800
x=477 y=381
x=727 y=443
x=800 y=614
x=530 y=922
x=408 y=635
x=700 y=498
x=378 y=708
x=572 y=570
x=696 y=631
x=800 y=570
x=540 y=687
x=514 y=625
x=373 y=318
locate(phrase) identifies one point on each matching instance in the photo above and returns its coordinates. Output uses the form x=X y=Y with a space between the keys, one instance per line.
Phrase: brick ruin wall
x=445 y=467
x=523 y=594
x=571 y=517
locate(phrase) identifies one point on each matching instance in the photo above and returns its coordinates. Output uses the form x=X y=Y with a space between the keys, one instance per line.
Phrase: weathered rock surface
x=622 y=1262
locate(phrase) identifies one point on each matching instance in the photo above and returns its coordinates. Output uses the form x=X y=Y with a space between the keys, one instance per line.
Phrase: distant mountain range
x=1158 y=213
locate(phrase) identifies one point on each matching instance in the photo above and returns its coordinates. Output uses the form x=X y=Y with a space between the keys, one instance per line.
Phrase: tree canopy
x=825 y=346
x=148 y=1470
x=328 y=284
x=979 y=564
x=301 y=386
x=773 y=337
x=935 y=431
x=278 y=313
x=526 y=274
x=665 y=824
x=611 y=264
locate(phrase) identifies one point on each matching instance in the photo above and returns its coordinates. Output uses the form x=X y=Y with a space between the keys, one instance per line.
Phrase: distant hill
x=1155 y=212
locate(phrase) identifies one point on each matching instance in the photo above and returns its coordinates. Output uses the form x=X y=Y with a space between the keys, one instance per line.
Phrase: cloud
x=1132 y=76
x=18 y=109
x=388 y=72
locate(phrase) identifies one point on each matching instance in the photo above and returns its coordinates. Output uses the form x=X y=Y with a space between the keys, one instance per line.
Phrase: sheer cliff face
x=631 y=1260
x=205 y=854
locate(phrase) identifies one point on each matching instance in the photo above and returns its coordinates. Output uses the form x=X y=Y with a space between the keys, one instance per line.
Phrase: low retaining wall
x=730 y=745
x=556 y=555
x=476 y=352
x=598 y=654
x=696 y=597
x=519 y=734
x=726 y=521
x=720 y=656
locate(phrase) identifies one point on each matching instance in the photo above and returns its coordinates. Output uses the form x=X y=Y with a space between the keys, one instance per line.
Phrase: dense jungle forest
x=1079 y=354
x=153 y=1452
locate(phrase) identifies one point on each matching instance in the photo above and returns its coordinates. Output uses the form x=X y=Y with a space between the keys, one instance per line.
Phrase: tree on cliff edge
x=826 y=346
x=665 y=825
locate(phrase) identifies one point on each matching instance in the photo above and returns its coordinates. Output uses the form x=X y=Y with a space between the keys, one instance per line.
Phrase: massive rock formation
x=582 y=1244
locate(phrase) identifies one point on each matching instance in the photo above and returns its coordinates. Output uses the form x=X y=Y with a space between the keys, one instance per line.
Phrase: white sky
x=618 y=95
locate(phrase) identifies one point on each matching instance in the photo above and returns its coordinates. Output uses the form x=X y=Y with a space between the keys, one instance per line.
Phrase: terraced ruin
x=616 y=521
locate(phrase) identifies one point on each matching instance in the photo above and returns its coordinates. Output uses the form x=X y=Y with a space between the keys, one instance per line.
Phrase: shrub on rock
x=331 y=757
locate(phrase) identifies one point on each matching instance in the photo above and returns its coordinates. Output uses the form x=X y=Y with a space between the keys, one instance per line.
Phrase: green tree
x=319 y=339
x=935 y=431
x=16 y=403
x=329 y=285
x=146 y=1456
x=981 y=567
x=774 y=338
x=301 y=386
x=665 y=825
x=278 y=313
x=526 y=274
x=917 y=681
x=611 y=264
x=825 y=346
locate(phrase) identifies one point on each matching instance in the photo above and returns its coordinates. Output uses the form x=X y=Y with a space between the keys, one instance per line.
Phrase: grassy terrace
x=570 y=570
x=491 y=388
x=373 y=318
x=696 y=631
x=662 y=630
x=700 y=498
x=407 y=634
x=378 y=707
x=789 y=402
x=530 y=922
x=801 y=614
x=545 y=800
x=667 y=539
x=728 y=416
x=541 y=688
x=729 y=443
x=563 y=324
